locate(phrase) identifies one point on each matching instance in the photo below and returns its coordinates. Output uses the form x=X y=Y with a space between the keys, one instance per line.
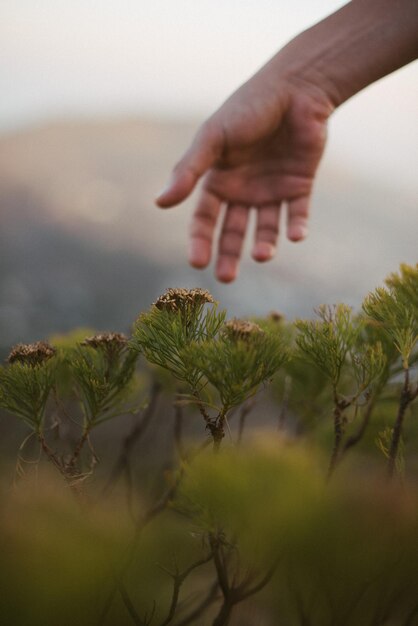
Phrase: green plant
x=196 y=345
x=196 y=538
x=331 y=344
x=395 y=309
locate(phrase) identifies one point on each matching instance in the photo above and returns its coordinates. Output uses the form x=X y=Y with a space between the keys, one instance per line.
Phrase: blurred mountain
x=81 y=242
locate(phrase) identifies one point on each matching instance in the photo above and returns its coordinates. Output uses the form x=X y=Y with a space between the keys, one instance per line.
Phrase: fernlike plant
x=236 y=363
x=217 y=366
x=101 y=370
x=102 y=367
x=25 y=386
x=184 y=333
x=394 y=310
x=25 y=383
x=332 y=344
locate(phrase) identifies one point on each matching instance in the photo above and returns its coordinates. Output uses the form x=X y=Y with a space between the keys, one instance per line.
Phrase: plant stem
x=233 y=594
x=59 y=465
x=77 y=450
x=178 y=580
x=224 y=615
x=339 y=408
x=200 y=608
x=123 y=461
x=358 y=435
x=129 y=606
x=50 y=454
x=404 y=401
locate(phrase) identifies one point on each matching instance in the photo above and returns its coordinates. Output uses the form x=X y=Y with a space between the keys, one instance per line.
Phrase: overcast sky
x=182 y=58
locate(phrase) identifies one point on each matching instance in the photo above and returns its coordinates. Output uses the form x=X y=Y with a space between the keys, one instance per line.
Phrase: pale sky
x=182 y=58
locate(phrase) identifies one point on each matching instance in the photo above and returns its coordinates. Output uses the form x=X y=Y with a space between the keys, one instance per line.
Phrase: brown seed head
x=276 y=316
x=241 y=329
x=174 y=300
x=32 y=354
x=106 y=341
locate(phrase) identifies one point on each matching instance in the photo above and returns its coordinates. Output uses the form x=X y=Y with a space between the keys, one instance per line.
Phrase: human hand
x=260 y=150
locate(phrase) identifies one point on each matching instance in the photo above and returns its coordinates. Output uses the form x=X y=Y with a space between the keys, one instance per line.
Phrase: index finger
x=204 y=151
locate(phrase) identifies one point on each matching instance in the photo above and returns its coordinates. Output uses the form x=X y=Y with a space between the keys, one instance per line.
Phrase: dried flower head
x=276 y=316
x=32 y=354
x=106 y=341
x=174 y=300
x=111 y=345
x=241 y=329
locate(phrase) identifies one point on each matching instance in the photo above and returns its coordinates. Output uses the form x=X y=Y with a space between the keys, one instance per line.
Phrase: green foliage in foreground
x=256 y=533
x=343 y=555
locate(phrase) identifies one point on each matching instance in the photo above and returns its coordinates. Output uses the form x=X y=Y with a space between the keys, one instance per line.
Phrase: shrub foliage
x=248 y=535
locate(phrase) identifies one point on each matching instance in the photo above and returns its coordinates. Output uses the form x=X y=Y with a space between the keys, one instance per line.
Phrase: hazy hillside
x=82 y=244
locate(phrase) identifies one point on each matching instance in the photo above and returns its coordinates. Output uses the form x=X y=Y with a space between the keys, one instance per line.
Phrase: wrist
x=351 y=49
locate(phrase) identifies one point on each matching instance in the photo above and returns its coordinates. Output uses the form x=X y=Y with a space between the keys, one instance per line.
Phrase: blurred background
x=100 y=98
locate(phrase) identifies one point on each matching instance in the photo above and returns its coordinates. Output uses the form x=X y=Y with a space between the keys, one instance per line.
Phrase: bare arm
x=261 y=149
x=352 y=48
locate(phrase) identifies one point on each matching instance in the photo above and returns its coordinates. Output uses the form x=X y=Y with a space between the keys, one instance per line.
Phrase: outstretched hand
x=260 y=150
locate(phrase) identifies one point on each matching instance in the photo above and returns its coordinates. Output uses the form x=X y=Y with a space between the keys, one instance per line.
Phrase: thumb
x=204 y=151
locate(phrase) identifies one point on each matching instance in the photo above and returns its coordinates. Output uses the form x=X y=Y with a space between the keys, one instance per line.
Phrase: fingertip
x=297 y=219
x=199 y=253
x=226 y=278
x=162 y=201
x=263 y=251
x=226 y=270
x=297 y=232
x=165 y=198
x=178 y=188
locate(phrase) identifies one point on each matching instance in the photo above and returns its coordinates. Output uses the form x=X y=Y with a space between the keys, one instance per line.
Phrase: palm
x=277 y=166
x=254 y=154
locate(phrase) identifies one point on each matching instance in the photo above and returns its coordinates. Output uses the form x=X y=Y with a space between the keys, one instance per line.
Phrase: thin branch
x=404 y=401
x=354 y=439
x=219 y=565
x=178 y=580
x=247 y=592
x=51 y=455
x=211 y=596
x=233 y=594
x=79 y=447
x=156 y=509
x=338 y=436
x=129 y=605
x=133 y=437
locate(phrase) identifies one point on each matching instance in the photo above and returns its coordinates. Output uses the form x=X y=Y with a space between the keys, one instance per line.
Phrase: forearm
x=352 y=48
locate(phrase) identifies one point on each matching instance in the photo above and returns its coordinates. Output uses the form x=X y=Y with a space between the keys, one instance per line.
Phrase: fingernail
x=226 y=270
x=162 y=193
x=199 y=254
x=263 y=251
x=297 y=233
x=164 y=190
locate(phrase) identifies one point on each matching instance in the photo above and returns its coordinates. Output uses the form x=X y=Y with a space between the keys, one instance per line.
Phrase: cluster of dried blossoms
x=276 y=316
x=174 y=300
x=112 y=345
x=106 y=340
x=241 y=329
x=32 y=354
